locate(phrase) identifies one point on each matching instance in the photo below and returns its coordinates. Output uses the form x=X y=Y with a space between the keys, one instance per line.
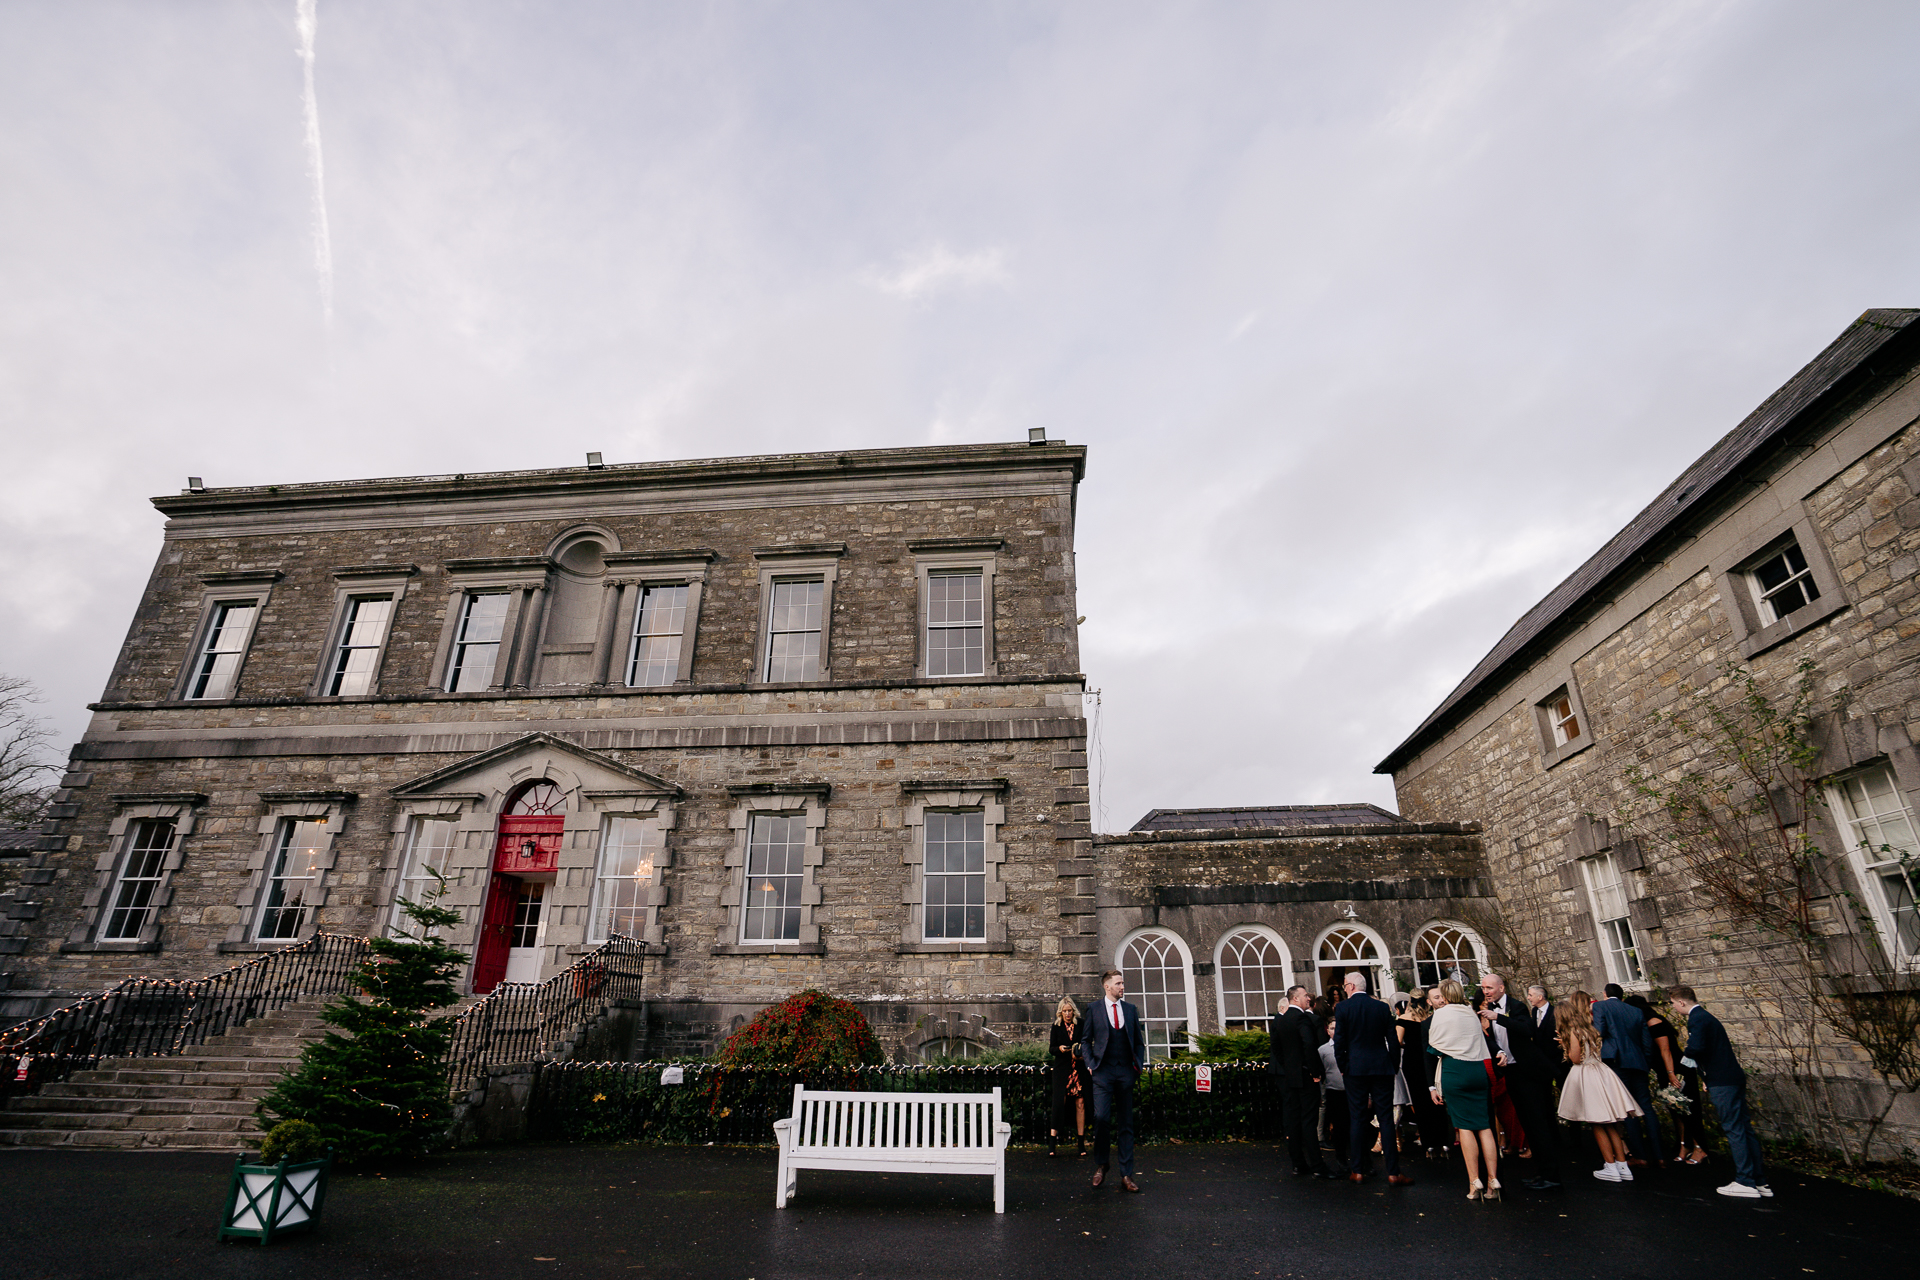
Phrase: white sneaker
x=1766 y=1191
x=1607 y=1173
x=1742 y=1191
x=1626 y=1171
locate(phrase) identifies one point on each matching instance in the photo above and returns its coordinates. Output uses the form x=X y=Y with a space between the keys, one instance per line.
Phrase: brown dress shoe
x=1399 y=1180
x=1128 y=1184
x=1356 y=1177
x=1099 y=1175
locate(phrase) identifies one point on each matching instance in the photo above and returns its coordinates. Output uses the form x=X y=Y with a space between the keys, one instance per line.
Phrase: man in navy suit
x=1113 y=1045
x=1709 y=1049
x=1626 y=1045
x=1368 y=1054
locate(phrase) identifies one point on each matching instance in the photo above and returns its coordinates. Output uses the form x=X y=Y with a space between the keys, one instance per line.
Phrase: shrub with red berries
x=808 y=1031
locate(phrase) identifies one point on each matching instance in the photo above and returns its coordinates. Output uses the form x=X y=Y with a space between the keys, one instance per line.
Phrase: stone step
x=129 y=1139
x=42 y=1104
x=205 y=1092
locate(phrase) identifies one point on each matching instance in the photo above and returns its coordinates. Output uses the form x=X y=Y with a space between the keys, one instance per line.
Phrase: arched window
x=542 y=797
x=1344 y=948
x=1158 y=971
x=1446 y=950
x=950 y=1049
x=1254 y=974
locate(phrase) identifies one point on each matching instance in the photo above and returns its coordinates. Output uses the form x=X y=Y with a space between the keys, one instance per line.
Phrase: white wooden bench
x=893 y=1133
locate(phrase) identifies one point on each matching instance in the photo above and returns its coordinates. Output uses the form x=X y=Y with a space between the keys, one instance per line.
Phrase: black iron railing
x=628 y=1101
x=522 y=1022
x=160 y=1017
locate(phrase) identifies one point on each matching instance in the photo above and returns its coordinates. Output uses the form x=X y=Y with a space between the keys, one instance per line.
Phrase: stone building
x=1794 y=539
x=808 y=719
x=1213 y=913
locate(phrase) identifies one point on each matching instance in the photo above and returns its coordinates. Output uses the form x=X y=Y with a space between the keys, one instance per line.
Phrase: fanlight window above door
x=539 y=798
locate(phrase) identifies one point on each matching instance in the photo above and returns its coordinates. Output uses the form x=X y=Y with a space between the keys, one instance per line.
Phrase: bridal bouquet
x=1673 y=1097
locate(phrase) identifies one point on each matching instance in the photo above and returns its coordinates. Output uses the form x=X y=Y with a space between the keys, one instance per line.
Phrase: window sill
x=1801 y=619
x=953 y=948
x=110 y=947
x=772 y=949
x=278 y=944
x=1553 y=756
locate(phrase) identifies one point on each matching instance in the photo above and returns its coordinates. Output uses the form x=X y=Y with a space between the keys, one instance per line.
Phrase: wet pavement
x=1228 y=1210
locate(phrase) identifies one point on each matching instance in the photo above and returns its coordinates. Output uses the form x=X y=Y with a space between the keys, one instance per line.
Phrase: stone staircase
x=202 y=1100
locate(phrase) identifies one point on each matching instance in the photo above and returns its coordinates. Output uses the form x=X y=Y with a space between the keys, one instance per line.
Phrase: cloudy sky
x=1377 y=318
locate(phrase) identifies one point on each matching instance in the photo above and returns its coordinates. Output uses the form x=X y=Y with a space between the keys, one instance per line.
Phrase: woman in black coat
x=1069 y=1082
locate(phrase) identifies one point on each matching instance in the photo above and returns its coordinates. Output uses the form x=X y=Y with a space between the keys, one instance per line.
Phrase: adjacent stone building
x=1795 y=539
x=810 y=719
x=1213 y=913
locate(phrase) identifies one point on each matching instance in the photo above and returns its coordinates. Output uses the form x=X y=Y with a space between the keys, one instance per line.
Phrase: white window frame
x=1555 y=744
x=356 y=584
x=272 y=909
x=1603 y=877
x=1765 y=597
x=1870 y=863
x=789 y=564
x=502 y=644
x=919 y=796
x=329 y=808
x=412 y=882
x=524 y=580
x=806 y=799
x=1755 y=626
x=1380 y=977
x=632 y=574
x=653 y=819
x=1221 y=965
x=225 y=590
x=153 y=874
x=1474 y=941
x=934 y=556
x=179 y=808
x=1166 y=1046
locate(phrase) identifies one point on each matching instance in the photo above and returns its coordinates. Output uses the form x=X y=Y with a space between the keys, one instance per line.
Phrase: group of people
x=1477 y=1070
x=1470 y=1068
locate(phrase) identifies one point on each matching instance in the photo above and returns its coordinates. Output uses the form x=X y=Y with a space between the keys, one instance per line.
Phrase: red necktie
x=1116 y=1015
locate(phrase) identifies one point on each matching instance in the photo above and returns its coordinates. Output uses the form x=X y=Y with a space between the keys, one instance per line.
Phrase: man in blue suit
x=1627 y=1046
x=1368 y=1054
x=1709 y=1049
x=1113 y=1045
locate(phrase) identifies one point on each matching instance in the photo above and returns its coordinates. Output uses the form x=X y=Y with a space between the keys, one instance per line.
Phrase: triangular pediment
x=530 y=757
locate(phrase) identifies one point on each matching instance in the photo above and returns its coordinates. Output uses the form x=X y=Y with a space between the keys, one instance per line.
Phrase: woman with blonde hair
x=1462 y=1083
x=1068 y=1082
x=1593 y=1094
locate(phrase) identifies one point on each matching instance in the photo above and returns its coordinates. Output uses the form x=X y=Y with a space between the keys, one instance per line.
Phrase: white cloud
x=938 y=269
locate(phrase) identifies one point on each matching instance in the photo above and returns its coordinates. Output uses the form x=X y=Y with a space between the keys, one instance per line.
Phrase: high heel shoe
x=1493 y=1189
x=1474 y=1192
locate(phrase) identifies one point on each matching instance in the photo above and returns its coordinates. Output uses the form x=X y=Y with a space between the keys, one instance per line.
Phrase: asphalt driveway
x=1207 y=1211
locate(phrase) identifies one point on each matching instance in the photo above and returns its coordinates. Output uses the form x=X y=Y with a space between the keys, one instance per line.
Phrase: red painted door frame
x=510 y=861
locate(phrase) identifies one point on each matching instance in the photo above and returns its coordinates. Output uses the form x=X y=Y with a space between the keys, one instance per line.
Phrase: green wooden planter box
x=266 y=1200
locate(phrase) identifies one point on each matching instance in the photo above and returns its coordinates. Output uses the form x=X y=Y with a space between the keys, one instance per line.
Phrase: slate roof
x=1835 y=373
x=1278 y=815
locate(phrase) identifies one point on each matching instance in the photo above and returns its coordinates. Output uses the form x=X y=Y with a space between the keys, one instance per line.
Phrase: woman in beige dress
x=1593 y=1094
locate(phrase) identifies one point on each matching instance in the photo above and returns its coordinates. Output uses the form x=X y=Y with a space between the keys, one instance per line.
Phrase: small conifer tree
x=375 y=1087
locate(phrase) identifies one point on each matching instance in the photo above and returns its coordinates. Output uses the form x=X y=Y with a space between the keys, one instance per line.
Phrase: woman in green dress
x=1462 y=1082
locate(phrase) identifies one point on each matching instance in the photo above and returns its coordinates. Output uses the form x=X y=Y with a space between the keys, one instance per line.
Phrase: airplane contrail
x=307 y=19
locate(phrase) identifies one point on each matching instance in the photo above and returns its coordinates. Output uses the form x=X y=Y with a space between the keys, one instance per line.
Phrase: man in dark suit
x=1296 y=1037
x=1627 y=1046
x=1368 y=1054
x=1113 y=1045
x=1534 y=1051
x=1709 y=1050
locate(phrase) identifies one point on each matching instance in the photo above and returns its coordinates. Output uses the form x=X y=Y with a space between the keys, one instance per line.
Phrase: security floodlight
x=196 y=485
x=1036 y=435
x=594 y=463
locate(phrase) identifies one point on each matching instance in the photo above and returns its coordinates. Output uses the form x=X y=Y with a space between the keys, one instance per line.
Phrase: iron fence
x=160 y=1017
x=520 y=1022
x=626 y=1101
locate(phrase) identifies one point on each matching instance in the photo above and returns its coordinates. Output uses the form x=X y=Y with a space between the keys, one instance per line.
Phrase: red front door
x=527 y=843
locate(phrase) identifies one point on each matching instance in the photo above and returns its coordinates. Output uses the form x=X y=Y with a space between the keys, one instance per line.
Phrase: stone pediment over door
x=452 y=816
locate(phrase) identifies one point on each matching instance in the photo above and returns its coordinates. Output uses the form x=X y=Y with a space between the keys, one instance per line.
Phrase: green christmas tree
x=375 y=1087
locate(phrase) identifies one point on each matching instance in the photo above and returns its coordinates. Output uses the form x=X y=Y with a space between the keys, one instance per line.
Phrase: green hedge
x=625 y=1101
